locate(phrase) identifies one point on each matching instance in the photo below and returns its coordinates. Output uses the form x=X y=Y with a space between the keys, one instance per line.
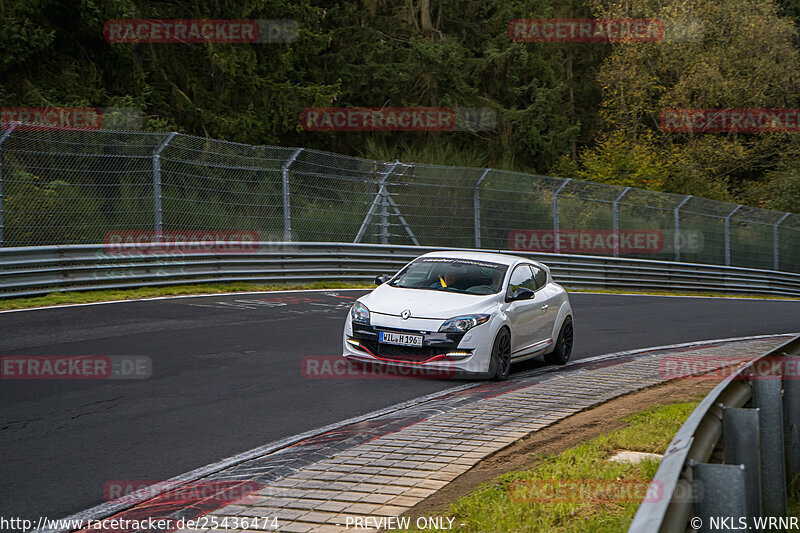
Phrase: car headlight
x=359 y=313
x=460 y=324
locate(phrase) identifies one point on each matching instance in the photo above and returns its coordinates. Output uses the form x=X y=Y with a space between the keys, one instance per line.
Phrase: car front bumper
x=441 y=355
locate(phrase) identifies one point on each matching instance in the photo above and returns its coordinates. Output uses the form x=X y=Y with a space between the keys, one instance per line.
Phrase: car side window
x=540 y=276
x=521 y=277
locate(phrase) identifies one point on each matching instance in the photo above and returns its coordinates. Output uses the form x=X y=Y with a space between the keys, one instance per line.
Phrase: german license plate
x=402 y=339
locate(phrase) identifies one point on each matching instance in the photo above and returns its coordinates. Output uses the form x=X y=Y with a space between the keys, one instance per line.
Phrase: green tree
x=721 y=54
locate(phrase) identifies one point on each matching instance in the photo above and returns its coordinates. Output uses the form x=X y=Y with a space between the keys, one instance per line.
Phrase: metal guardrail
x=28 y=271
x=735 y=455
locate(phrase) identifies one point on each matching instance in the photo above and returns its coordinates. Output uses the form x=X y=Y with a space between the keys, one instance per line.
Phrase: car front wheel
x=500 y=364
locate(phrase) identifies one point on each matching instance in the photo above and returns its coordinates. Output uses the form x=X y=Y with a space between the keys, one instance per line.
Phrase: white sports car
x=462 y=313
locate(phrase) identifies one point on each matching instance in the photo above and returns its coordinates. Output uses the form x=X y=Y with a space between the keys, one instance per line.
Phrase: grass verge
x=110 y=295
x=583 y=474
x=687 y=293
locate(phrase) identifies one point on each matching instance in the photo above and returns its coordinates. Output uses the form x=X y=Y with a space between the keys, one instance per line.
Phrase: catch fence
x=61 y=186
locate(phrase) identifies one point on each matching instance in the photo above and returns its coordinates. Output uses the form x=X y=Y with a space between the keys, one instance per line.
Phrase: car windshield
x=452 y=275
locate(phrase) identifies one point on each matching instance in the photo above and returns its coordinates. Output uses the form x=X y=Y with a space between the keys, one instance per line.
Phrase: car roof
x=491 y=257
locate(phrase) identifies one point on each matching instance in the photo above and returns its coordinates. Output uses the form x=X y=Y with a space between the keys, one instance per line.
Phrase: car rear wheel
x=500 y=364
x=562 y=351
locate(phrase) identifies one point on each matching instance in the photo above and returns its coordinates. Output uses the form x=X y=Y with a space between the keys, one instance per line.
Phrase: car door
x=526 y=316
x=547 y=295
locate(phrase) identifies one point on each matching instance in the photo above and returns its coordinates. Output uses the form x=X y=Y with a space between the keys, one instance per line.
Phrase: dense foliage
x=583 y=110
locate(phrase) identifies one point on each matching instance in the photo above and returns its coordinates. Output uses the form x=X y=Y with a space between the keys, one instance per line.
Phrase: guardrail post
x=615 y=219
x=287 y=209
x=158 y=221
x=775 y=262
x=722 y=489
x=3 y=137
x=476 y=200
x=677 y=215
x=728 y=235
x=791 y=414
x=742 y=446
x=768 y=400
x=556 y=246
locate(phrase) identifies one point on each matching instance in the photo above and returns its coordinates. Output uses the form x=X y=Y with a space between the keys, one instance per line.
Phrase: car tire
x=562 y=351
x=500 y=363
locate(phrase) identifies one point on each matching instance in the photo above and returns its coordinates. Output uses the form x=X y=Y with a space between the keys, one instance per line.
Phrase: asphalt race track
x=226 y=377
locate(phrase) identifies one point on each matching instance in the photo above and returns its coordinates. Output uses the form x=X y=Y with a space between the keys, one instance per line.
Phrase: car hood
x=426 y=303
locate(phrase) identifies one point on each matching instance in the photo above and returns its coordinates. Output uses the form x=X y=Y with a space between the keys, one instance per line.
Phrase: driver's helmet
x=453 y=273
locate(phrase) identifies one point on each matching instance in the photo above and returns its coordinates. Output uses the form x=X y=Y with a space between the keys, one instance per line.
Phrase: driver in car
x=450 y=278
x=497 y=279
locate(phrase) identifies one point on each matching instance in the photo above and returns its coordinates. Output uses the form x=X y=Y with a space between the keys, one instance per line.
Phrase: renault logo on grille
x=405 y=314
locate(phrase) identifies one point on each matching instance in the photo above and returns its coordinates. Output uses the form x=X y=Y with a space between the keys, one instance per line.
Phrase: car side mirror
x=521 y=293
x=381 y=279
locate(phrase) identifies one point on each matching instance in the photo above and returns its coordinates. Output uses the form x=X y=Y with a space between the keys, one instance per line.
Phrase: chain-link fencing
x=60 y=186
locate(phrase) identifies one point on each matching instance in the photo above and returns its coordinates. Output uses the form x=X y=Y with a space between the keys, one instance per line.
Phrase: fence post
x=728 y=235
x=377 y=201
x=384 y=194
x=775 y=258
x=384 y=217
x=678 y=227
x=477 y=204
x=3 y=137
x=615 y=219
x=287 y=208
x=157 y=212
x=556 y=245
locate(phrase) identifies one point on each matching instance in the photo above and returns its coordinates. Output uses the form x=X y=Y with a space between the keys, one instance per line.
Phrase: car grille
x=435 y=344
x=403 y=353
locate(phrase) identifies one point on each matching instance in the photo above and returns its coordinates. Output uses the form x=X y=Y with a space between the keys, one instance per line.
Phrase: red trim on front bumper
x=434 y=358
